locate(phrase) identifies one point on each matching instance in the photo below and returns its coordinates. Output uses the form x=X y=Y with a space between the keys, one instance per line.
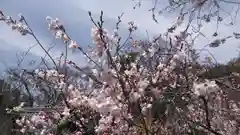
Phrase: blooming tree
x=152 y=88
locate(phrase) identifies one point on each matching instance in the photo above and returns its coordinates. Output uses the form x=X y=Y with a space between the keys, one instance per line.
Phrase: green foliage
x=223 y=70
x=127 y=59
x=65 y=125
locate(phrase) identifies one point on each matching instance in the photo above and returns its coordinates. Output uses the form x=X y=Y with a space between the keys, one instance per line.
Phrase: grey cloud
x=75 y=18
x=9 y=57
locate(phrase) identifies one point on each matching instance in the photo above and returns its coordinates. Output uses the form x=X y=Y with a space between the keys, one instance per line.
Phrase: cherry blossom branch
x=205 y=103
x=34 y=36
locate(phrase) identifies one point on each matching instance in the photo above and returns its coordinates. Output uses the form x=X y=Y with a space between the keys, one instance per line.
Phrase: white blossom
x=202 y=89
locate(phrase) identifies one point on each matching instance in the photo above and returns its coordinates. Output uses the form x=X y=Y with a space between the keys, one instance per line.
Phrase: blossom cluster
x=155 y=93
x=16 y=25
x=59 y=31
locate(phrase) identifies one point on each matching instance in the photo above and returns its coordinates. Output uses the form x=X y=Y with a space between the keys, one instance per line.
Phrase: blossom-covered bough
x=154 y=88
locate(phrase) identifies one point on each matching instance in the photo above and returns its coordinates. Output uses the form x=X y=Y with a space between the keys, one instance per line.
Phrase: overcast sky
x=74 y=15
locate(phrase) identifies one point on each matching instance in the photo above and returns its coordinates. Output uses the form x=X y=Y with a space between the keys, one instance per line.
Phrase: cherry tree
x=152 y=87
